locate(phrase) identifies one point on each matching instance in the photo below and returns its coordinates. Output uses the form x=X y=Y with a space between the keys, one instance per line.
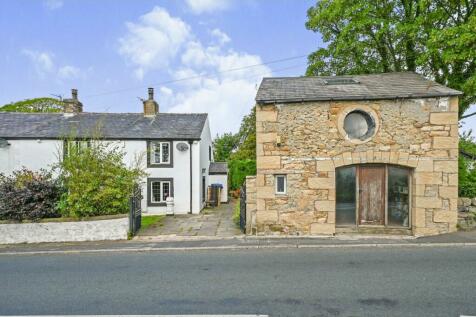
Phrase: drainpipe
x=191 y=181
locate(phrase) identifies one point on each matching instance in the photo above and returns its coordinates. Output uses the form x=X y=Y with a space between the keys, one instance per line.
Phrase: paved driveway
x=211 y=222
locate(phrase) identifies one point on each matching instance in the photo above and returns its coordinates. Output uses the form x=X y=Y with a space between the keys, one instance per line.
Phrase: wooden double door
x=371 y=196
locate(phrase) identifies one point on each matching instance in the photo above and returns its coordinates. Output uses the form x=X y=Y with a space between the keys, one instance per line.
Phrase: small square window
x=280 y=181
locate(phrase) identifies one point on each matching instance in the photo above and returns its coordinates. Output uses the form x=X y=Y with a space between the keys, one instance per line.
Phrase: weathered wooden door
x=372 y=195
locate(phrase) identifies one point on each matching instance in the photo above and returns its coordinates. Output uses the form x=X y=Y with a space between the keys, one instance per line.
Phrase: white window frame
x=276 y=184
x=153 y=149
x=161 y=186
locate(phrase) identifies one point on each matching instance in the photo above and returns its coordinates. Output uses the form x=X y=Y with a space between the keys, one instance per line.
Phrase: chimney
x=73 y=105
x=150 y=106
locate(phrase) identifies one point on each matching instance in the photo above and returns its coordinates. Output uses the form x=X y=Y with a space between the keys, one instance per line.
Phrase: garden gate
x=243 y=208
x=135 y=212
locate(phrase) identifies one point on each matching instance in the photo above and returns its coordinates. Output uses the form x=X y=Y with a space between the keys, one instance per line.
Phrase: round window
x=359 y=125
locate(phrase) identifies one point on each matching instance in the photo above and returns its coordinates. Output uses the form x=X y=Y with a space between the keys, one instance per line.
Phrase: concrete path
x=211 y=222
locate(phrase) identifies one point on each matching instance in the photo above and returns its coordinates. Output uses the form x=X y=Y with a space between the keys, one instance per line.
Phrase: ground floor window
x=159 y=189
x=373 y=194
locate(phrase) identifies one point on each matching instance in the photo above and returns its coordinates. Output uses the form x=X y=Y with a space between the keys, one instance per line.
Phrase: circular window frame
x=361 y=109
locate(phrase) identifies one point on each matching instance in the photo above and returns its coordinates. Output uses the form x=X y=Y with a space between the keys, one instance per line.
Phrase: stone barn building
x=366 y=153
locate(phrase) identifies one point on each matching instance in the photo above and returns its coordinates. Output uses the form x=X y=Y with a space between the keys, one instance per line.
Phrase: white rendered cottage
x=175 y=149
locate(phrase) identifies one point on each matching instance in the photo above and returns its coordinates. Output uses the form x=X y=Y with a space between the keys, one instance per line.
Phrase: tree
x=247 y=138
x=224 y=146
x=44 y=104
x=436 y=38
x=96 y=180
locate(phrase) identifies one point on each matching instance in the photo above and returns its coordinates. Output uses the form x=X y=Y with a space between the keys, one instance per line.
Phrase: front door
x=371 y=195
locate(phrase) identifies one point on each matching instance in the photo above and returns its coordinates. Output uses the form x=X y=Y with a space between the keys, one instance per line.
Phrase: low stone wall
x=95 y=230
x=466 y=213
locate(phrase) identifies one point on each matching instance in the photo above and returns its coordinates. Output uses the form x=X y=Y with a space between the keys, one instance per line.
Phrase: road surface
x=418 y=281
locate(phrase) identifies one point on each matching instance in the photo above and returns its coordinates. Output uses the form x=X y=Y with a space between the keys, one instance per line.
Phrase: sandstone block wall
x=304 y=141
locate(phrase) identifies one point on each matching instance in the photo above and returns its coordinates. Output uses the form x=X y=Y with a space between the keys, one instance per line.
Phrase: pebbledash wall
x=304 y=141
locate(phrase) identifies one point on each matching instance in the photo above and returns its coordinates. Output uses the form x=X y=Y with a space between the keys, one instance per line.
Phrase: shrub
x=238 y=170
x=96 y=180
x=29 y=195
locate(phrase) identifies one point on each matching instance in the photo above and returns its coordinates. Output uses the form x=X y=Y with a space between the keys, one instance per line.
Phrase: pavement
x=403 y=281
x=177 y=243
x=211 y=222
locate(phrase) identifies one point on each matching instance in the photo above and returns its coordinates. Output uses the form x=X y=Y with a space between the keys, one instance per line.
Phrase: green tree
x=96 y=180
x=224 y=146
x=247 y=138
x=436 y=38
x=45 y=104
x=467 y=166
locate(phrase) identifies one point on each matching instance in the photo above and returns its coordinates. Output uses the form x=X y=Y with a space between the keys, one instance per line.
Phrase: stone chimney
x=151 y=107
x=73 y=105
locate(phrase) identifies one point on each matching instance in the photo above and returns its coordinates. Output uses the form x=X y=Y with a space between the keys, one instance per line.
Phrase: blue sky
x=111 y=51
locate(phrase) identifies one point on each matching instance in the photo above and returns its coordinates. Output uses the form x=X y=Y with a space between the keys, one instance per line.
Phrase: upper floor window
x=160 y=153
x=75 y=146
x=210 y=153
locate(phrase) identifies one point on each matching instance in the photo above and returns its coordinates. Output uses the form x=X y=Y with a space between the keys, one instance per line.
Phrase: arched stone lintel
x=383 y=157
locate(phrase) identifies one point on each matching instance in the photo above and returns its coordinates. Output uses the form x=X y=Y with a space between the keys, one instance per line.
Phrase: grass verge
x=148 y=221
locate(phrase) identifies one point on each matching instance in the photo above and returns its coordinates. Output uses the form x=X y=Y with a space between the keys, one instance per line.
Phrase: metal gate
x=135 y=212
x=243 y=208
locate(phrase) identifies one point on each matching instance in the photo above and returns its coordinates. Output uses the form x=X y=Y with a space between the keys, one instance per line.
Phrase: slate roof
x=218 y=168
x=182 y=126
x=367 y=87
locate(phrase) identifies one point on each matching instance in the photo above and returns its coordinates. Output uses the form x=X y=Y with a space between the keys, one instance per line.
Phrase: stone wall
x=250 y=204
x=305 y=142
x=113 y=229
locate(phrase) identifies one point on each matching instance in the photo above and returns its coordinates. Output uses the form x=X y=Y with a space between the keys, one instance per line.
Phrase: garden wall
x=95 y=230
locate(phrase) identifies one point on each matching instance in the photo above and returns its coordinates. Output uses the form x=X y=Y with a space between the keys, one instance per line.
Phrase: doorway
x=375 y=195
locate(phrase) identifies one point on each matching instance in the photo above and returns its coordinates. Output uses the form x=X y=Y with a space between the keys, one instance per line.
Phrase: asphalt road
x=426 y=281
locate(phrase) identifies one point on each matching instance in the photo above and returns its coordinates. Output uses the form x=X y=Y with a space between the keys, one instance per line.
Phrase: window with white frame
x=160 y=153
x=159 y=191
x=280 y=181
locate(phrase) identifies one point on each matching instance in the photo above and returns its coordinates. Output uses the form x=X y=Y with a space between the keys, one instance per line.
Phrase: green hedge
x=238 y=170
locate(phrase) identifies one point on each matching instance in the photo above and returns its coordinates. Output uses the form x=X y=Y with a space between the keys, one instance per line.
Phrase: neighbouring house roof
x=218 y=168
x=183 y=126
x=355 y=87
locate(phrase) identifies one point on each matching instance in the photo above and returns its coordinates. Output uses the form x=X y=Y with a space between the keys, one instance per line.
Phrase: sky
x=205 y=56
x=199 y=55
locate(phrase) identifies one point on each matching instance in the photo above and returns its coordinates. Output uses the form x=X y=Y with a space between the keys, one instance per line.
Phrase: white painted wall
x=221 y=179
x=32 y=154
x=94 y=230
x=205 y=143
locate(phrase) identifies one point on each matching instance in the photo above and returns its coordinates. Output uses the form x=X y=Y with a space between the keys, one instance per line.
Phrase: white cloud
x=69 y=72
x=221 y=36
x=208 y=6
x=53 y=4
x=42 y=61
x=45 y=67
x=211 y=79
x=153 y=41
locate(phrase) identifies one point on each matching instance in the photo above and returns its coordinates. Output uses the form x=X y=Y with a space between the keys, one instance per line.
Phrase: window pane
x=165 y=153
x=155 y=188
x=156 y=153
x=280 y=184
x=345 y=196
x=165 y=190
x=398 y=196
